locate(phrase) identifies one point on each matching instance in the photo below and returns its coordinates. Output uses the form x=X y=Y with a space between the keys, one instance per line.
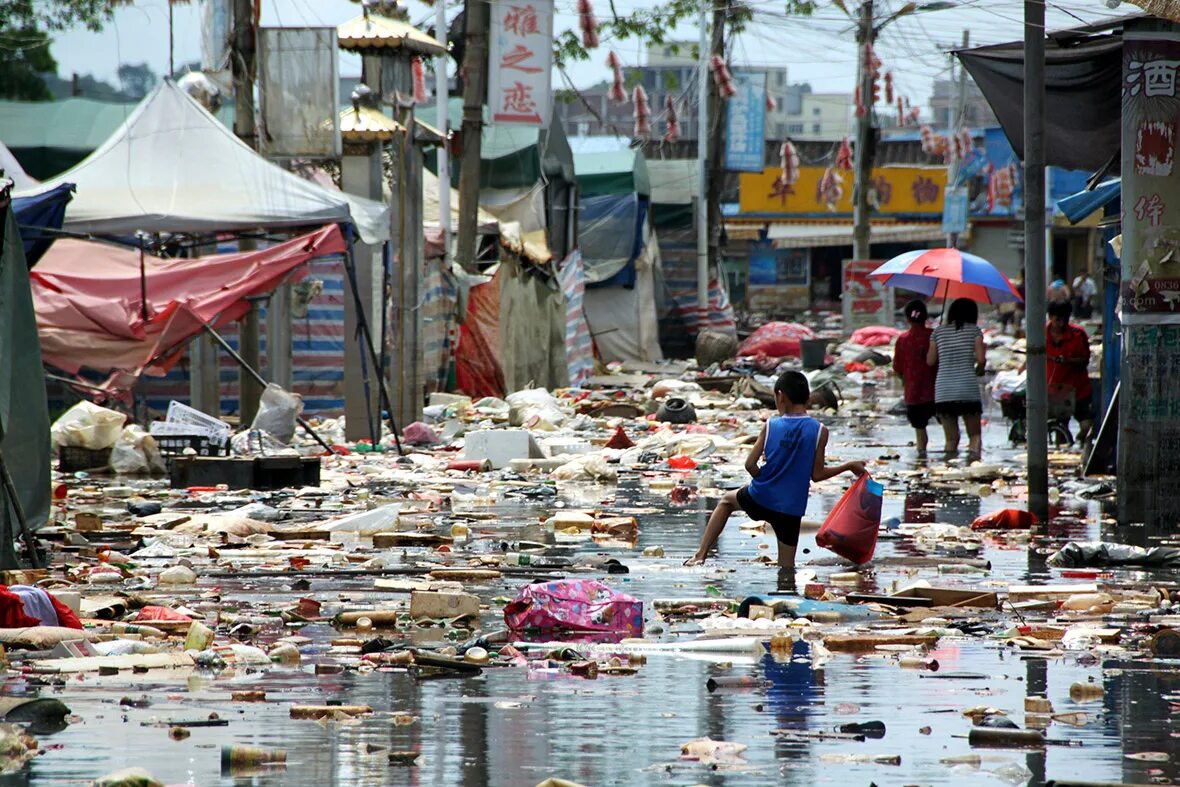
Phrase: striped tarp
x=440 y=326
x=317 y=338
x=579 y=349
x=678 y=259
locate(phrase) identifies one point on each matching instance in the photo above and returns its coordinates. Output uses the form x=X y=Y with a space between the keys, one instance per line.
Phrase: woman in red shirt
x=1067 y=347
x=909 y=362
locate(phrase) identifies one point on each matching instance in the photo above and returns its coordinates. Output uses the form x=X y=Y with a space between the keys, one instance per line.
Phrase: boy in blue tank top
x=792 y=446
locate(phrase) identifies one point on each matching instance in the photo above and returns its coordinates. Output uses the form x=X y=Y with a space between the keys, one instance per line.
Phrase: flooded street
x=513 y=726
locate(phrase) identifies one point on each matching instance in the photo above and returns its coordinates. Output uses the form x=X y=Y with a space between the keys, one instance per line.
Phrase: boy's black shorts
x=786 y=526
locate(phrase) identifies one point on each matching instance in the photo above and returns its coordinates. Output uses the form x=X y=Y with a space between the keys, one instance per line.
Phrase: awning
x=1080 y=205
x=90 y=309
x=1083 y=98
x=805 y=235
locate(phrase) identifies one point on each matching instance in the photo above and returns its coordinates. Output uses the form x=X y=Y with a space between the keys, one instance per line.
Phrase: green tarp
x=24 y=418
x=613 y=172
x=512 y=157
x=49 y=137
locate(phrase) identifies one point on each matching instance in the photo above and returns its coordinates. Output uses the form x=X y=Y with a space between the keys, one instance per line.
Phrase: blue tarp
x=39 y=213
x=611 y=238
x=1080 y=205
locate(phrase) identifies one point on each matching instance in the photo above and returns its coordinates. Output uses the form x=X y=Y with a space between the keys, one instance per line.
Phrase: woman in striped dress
x=956 y=348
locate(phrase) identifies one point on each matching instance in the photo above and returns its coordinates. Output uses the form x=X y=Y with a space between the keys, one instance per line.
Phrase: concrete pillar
x=360 y=174
x=278 y=338
x=204 y=379
x=1149 y=412
x=250 y=349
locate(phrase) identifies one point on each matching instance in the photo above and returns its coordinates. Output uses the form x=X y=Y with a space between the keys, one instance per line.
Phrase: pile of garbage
x=149 y=576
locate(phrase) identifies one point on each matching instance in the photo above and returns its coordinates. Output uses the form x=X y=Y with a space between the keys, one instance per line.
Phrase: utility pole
x=242 y=62
x=702 y=209
x=442 y=119
x=477 y=19
x=865 y=37
x=716 y=173
x=952 y=121
x=1034 y=257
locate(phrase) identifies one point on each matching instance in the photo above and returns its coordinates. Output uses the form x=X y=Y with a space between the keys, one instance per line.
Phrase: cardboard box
x=87 y=523
x=429 y=604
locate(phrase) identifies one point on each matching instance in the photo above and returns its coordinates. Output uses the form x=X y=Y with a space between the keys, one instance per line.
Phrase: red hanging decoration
x=588 y=24
x=722 y=77
x=927 y=139
x=1000 y=185
x=672 y=120
x=789 y=162
x=888 y=87
x=871 y=61
x=844 y=156
x=618 y=93
x=900 y=112
x=771 y=104
x=642 y=113
x=860 y=107
x=419 y=77
x=915 y=113
x=830 y=189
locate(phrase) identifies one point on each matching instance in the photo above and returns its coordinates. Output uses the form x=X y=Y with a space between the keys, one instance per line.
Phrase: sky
x=818 y=50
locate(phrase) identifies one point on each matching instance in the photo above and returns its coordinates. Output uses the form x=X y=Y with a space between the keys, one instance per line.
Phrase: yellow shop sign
x=899 y=191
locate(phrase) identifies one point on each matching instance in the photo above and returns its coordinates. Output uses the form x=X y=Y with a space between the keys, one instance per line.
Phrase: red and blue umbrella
x=947 y=274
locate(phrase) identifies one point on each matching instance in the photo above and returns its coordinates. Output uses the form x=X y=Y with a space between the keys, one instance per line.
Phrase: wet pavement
x=514 y=726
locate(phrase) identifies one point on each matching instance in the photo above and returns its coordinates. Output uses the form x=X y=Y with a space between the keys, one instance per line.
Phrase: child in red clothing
x=909 y=362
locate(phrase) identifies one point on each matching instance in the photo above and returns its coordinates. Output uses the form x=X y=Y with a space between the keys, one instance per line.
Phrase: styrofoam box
x=500 y=446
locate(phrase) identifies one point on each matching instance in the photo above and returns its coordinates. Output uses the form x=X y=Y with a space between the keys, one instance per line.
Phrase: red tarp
x=88 y=303
x=776 y=340
x=478 y=371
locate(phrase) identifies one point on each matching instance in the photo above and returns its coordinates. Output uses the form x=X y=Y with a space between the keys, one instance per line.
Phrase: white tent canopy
x=14 y=171
x=172 y=167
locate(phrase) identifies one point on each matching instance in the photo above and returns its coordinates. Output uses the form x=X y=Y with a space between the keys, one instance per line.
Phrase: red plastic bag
x=1006 y=519
x=874 y=335
x=851 y=529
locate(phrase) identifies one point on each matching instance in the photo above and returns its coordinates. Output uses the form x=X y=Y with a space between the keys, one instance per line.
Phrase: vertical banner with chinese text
x=865 y=300
x=1149 y=409
x=745 y=124
x=520 y=62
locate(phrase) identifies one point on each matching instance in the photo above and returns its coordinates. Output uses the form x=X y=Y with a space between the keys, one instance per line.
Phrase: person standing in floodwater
x=792 y=446
x=957 y=351
x=909 y=362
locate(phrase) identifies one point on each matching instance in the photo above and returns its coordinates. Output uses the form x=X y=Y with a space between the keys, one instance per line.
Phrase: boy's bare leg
x=786 y=567
x=923 y=440
x=717 y=522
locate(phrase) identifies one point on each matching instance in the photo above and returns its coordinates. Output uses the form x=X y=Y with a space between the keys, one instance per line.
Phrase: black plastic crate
x=260 y=472
x=73 y=459
x=175 y=445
